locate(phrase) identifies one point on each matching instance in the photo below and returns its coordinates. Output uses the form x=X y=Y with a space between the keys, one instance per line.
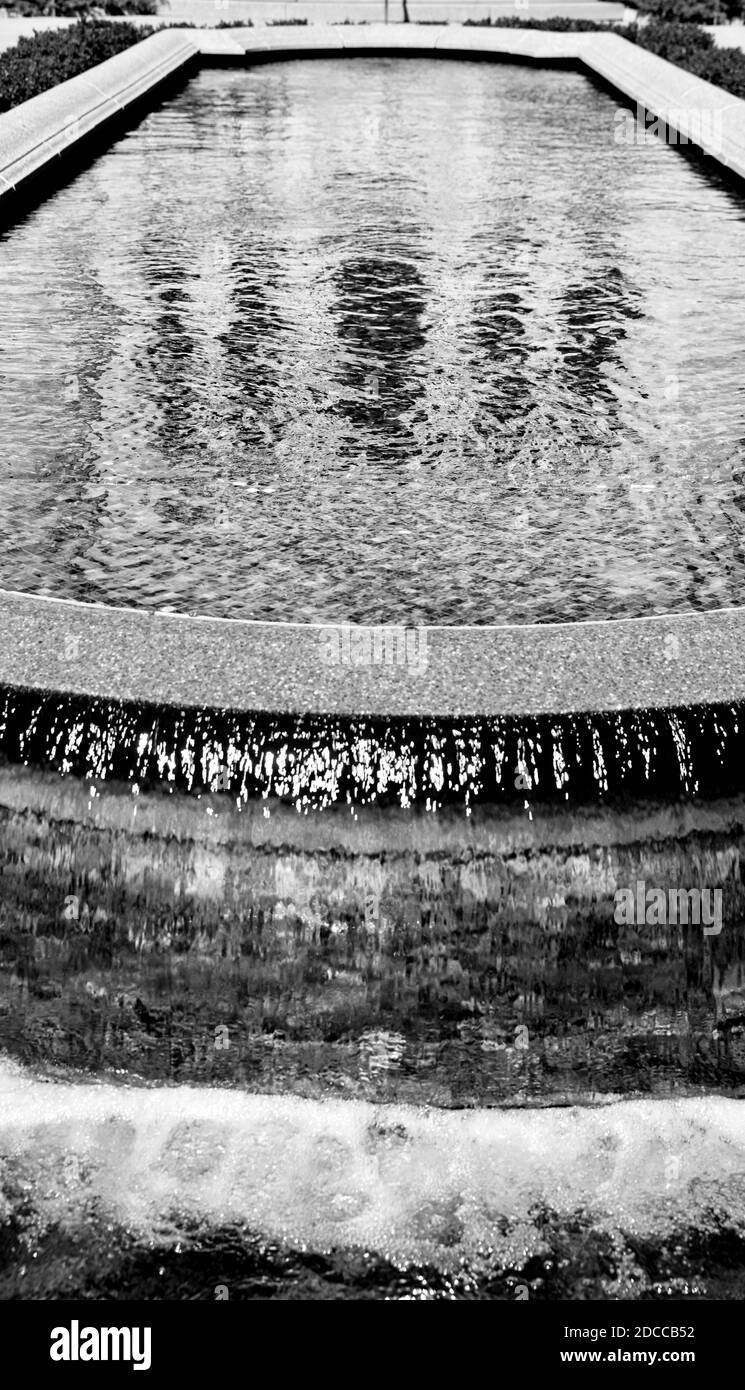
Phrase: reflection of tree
x=719 y=499
x=169 y=345
x=380 y=306
x=251 y=344
x=592 y=318
x=500 y=332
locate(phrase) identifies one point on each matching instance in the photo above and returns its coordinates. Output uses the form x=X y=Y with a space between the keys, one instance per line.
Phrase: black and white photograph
x=372 y=668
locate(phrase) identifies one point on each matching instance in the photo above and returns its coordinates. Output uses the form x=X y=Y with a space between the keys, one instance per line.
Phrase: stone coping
x=510 y=670
x=36 y=135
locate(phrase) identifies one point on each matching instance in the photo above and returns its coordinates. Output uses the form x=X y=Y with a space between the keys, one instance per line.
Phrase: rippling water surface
x=378 y=340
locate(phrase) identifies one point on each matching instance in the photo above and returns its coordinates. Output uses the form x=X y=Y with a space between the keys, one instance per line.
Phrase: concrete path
x=727 y=35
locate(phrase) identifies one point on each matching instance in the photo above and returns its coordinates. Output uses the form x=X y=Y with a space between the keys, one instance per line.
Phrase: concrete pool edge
x=512 y=671
x=138 y=656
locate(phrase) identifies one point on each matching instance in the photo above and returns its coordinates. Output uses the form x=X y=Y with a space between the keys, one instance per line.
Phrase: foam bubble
x=415 y=1186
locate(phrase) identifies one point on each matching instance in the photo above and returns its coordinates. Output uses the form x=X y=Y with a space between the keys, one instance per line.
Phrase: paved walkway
x=326 y=11
x=728 y=35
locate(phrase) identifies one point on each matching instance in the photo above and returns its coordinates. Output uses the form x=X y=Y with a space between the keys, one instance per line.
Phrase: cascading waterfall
x=375 y=904
x=314 y=762
x=341 y=1005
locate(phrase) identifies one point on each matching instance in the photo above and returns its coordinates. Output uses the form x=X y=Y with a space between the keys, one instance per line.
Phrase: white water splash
x=450 y=1188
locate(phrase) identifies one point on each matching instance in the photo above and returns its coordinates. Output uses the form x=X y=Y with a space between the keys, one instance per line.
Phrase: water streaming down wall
x=404 y=910
x=314 y=761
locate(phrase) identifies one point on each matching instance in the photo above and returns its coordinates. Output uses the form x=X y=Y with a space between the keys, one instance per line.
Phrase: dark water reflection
x=377 y=341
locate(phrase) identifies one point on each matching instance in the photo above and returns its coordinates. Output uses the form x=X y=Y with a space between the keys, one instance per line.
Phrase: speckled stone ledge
x=512 y=670
x=521 y=670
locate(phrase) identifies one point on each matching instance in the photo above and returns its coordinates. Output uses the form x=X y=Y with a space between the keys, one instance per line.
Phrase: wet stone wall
x=391 y=954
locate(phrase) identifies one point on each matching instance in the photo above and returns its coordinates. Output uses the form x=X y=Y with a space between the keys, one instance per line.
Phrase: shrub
x=692 y=11
x=79 y=9
x=38 y=63
x=128 y=6
x=725 y=67
x=679 y=43
x=558 y=25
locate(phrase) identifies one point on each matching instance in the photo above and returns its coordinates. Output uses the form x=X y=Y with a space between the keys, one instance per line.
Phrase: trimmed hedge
x=38 y=63
x=692 y=11
x=78 y=9
x=558 y=25
x=679 y=43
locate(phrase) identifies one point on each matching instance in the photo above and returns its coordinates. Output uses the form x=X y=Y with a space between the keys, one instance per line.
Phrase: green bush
x=679 y=43
x=558 y=25
x=38 y=63
x=692 y=11
x=128 y=6
x=725 y=67
x=79 y=9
